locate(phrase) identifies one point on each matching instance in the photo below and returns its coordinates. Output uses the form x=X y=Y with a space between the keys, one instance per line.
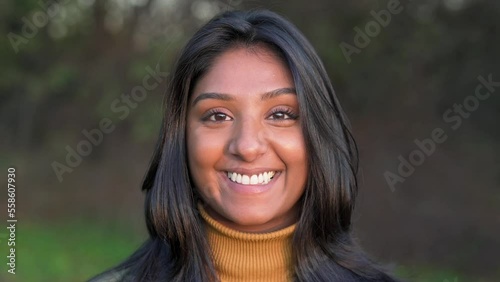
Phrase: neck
x=249 y=256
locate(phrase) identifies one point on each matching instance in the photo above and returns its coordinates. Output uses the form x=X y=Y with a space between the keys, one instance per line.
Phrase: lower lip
x=249 y=189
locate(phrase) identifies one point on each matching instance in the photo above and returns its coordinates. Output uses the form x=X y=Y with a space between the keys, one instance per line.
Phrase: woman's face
x=246 y=149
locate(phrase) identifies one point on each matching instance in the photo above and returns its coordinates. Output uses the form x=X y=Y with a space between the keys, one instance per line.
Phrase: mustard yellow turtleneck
x=241 y=256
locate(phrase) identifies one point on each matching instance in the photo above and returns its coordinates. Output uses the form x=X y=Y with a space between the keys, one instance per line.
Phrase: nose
x=248 y=140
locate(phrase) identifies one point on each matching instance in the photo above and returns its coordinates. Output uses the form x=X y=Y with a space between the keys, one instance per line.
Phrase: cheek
x=291 y=148
x=204 y=151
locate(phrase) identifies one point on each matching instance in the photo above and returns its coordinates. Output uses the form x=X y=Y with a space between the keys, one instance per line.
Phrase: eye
x=216 y=116
x=219 y=117
x=280 y=115
x=283 y=114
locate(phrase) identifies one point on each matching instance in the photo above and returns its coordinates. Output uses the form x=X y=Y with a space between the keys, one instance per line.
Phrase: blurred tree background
x=68 y=65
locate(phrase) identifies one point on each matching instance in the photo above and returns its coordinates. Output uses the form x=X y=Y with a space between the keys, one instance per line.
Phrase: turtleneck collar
x=242 y=256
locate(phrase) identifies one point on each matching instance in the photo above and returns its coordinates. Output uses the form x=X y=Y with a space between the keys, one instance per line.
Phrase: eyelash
x=286 y=111
x=211 y=113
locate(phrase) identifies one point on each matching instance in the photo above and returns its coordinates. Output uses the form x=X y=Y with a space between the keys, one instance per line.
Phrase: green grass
x=67 y=252
x=432 y=274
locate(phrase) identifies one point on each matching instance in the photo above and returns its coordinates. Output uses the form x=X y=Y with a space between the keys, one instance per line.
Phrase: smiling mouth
x=255 y=179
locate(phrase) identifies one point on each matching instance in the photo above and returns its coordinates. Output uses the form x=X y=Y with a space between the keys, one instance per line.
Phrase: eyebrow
x=227 y=97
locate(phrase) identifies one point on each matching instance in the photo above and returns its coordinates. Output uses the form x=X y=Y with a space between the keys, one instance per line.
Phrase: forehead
x=244 y=71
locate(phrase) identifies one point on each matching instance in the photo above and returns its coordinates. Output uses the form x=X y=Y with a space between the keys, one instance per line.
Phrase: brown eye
x=280 y=115
x=283 y=114
x=219 y=117
x=216 y=116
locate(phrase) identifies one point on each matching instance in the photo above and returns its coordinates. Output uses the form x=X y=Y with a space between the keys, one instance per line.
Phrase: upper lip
x=251 y=171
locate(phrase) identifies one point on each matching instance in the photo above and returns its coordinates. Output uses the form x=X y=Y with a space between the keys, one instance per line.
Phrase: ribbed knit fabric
x=241 y=256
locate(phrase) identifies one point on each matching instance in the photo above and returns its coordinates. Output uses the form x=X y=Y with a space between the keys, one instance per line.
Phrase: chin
x=254 y=219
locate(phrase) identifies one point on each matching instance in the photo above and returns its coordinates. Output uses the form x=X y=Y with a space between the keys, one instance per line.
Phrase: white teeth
x=245 y=179
x=255 y=179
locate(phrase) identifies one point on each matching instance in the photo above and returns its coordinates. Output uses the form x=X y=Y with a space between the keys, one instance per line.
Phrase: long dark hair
x=177 y=249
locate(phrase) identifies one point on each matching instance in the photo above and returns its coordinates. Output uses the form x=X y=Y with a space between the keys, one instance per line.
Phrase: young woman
x=254 y=174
